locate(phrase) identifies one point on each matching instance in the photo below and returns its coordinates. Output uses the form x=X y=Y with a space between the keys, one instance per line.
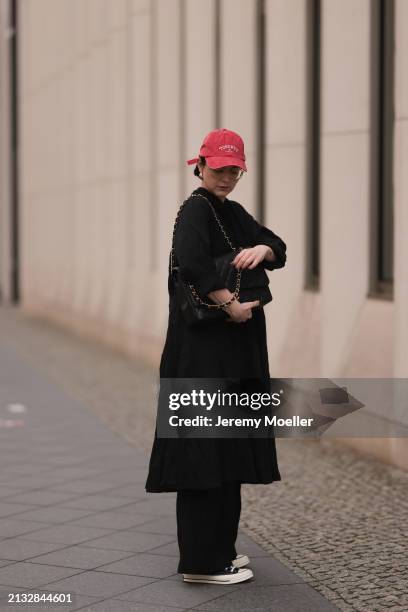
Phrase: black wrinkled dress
x=219 y=350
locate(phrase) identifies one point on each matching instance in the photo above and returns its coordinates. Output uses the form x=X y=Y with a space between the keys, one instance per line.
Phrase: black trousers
x=207 y=528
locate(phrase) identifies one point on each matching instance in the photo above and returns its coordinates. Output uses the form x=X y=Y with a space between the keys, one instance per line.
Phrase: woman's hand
x=240 y=312
x=251 y=257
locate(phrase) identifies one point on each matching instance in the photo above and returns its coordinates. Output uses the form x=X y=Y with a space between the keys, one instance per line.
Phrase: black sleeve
x=192 y=247
x=266 y=236
x=262 y=235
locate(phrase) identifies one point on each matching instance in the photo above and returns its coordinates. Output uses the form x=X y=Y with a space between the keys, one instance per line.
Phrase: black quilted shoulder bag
x=246 y=285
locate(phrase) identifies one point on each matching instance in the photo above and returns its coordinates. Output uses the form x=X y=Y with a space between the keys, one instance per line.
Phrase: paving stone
x=179 y=594
x=136 y=490
x=131 y=472
x=52 y=514
x=130 y=540
x=28 y=469
x=19 y=549
x=115 y=605
x=168 y=550
x=84 y=486
x=96 y=502
x=36 y=482
x=82 y=557
x=10 y=509
x=67 y=474
x=132 y=507
x=285 y=598
x=26 y=574
x=41 y=498
x=13 y=527
x=143 y=564
x=244 y=544
x=112 y=520
x=166 y=525
x=8 y=490
x=152 y=507
x=98 y=584
x=268 y=571
x=66 y=534
x=4 y=562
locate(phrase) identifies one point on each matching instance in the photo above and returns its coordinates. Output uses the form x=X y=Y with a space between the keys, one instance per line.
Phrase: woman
x=207 y=473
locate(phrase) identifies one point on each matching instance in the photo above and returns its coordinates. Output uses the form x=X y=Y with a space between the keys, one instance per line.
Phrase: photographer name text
x=205 y=421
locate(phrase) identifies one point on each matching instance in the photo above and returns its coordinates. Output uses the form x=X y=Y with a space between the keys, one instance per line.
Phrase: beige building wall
x=293 y=322
x=356 y=331
x=401 y=192
x=5 y=187
x=115 y=96
x=199 y=87
x=238 y=86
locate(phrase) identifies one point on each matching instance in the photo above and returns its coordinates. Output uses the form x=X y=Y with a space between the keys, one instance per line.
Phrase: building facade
x=109 y=99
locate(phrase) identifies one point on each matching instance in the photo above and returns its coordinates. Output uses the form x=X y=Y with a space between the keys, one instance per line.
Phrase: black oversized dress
x=218 y=350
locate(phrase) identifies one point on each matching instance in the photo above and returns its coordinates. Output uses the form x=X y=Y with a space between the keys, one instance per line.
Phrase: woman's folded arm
x=192 y=248
x=267 y=237
x=263 y=235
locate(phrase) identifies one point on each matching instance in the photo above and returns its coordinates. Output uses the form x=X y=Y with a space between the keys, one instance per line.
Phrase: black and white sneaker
x=229 y=575
x=241 y=561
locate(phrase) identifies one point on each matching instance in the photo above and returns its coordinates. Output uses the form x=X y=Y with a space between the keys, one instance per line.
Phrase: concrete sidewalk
x=74 y=516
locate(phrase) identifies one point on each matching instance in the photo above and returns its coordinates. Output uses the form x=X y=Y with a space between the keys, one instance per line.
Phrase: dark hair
x=196 y=170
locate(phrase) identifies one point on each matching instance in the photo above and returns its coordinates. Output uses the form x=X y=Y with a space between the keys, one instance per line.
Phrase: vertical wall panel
x=117 y=171
x=345 y=175
x=168 y=164
x=200 y=83
x=140 y=147
x=401 y=189
x=238 y=85
x=285 y=164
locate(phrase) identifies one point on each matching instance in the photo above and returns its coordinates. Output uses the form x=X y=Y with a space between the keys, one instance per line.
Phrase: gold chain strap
x=192 y=288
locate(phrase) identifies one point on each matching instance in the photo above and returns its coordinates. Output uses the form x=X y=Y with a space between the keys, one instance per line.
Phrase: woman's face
x=221 y=181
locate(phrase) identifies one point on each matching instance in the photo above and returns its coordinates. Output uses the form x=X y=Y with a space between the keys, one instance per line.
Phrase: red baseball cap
x=222 y=148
